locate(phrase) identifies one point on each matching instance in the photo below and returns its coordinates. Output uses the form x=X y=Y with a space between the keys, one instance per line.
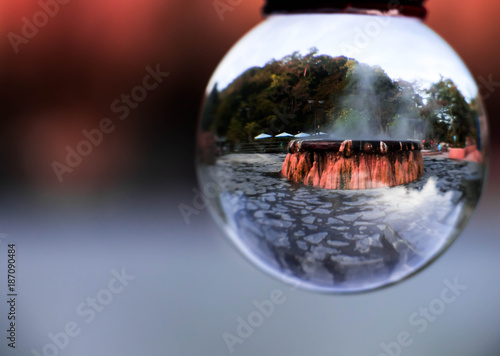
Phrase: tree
x=447 y=107
x=370 y=96
x=235 y=132
x=210 y=109
x=252 y=129
x=359 y=101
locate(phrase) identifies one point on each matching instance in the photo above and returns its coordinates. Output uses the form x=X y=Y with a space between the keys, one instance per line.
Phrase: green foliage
x=235 y=132
x=252 y=129
x=358 y=100
x=373 y=95
x=349 y=119
x=210 y=109
x=451 y=117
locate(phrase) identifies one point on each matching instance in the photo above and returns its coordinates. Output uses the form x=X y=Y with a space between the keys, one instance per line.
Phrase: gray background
x=120 y=208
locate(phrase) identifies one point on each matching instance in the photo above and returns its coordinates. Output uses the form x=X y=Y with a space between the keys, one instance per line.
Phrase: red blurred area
x=66 y=77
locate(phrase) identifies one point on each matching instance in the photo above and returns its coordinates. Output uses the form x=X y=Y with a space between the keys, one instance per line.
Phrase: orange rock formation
x=353 y=164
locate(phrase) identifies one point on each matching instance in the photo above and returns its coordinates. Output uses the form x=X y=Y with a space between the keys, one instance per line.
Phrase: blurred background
x=118 y=207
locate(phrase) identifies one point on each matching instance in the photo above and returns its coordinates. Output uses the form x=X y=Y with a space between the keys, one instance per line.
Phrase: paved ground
x=342 y=240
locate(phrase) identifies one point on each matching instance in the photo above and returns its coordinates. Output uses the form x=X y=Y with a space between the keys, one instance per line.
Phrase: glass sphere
x=342 y=152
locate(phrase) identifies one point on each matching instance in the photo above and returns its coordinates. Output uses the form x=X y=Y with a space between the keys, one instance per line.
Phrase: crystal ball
x=339 y=152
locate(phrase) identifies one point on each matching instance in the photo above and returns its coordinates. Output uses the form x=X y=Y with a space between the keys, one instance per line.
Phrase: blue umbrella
x=302 y=134
x=261 y=136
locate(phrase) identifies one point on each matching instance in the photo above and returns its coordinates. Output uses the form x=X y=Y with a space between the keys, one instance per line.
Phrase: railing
x=261 y=147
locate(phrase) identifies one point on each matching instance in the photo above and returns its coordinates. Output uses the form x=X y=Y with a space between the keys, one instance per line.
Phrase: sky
x=404 y=47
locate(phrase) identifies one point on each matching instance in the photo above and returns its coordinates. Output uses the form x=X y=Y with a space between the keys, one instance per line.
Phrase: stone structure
x=353 y=165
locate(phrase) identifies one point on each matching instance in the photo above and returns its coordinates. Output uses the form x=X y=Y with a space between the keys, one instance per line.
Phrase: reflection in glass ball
x=342 y=152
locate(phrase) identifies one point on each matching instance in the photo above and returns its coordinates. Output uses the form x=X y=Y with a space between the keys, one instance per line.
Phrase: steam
x=374 y=108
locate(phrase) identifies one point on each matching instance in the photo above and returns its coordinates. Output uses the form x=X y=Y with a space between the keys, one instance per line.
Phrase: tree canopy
x=347 y=98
